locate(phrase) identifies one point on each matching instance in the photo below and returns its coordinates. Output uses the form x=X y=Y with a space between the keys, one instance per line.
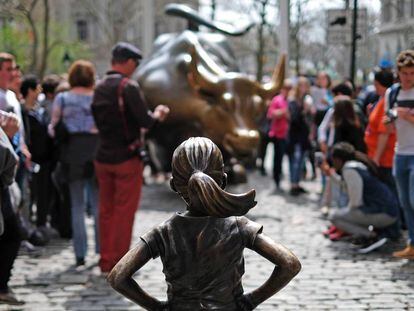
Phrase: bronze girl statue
x=202 y=249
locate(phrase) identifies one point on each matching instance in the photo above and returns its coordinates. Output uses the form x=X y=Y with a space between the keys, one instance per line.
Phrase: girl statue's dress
x=209 y=276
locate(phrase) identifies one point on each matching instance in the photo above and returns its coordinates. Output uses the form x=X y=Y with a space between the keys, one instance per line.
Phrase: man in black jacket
x=120 y=112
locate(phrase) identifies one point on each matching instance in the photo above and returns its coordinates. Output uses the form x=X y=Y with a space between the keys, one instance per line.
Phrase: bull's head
x=235 y=103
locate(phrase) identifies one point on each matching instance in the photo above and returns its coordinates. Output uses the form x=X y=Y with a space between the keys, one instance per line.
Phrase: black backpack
x=392 y=96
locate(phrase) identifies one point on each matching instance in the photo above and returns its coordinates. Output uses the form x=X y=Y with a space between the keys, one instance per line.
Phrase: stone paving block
x=73 y=279
x=333 y=276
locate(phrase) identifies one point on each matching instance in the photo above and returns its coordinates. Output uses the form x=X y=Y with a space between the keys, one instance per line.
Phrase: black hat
x=126 y=51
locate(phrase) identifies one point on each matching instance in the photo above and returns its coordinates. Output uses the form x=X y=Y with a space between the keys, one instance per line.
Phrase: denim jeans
x=78 y=205
x=296 y=163
x=404 y=177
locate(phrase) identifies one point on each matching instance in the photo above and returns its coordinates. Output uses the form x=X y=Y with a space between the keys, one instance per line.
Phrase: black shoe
x=302 y=190
x=80 y=262
x=372 y=245
x=295 y=192
x=27 y=248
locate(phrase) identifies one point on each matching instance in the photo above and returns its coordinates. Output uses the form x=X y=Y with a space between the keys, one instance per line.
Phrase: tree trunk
x=261 y=43
x=45 y=45
x=28 y=15
x=297 y=40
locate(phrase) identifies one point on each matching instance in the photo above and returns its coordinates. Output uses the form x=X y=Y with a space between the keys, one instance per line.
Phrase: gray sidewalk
x=333 y=276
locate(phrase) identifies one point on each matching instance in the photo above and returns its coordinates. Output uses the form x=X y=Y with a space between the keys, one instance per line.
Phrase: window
x=82 y=28
x=400 y=8
x=412 y=8
x=386 y=11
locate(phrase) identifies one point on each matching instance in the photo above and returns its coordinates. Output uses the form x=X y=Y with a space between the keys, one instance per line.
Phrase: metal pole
x=149 y=24
x=213 y=9
x=354 y=40
x=284 y=29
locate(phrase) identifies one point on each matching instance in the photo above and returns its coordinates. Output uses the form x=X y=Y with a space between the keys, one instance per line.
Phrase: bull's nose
x=242 y=142
x=246 y=134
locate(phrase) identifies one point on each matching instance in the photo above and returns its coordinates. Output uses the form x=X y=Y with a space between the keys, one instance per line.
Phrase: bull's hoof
x=237 y=174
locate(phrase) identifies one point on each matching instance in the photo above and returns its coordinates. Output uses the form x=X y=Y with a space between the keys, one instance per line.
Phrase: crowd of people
x=69 y=145
x=362 y=143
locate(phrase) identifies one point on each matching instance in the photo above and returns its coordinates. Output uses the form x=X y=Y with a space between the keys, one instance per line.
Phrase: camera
x=391 y=115
x=143 y=155
x=319 y=158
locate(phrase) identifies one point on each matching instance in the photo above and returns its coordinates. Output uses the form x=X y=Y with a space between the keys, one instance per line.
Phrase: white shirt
x=13 y=102
x=326 y=127
x=351 y=182
x=3 y=100
x=405 y=129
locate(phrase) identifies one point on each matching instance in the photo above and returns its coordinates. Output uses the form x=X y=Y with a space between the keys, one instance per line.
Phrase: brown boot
x=407 y=253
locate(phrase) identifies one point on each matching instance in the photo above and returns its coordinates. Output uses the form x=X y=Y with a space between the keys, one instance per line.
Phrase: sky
x=315 y=5
x=314 y=8
x=373 y=5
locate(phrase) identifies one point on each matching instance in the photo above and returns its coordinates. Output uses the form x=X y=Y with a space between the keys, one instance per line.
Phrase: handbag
x=61 y=131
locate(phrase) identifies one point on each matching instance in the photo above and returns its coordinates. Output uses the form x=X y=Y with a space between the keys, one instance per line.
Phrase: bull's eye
x=257 y=100
x=227 y=101
x=258 y=103
x=227 y=97
x=258 y=107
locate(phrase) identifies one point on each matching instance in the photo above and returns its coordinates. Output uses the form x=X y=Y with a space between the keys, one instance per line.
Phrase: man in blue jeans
x=399 y=102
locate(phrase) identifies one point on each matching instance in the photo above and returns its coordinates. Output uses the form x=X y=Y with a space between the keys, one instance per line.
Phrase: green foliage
x=16 y=41
x=59 y=46
x=75 y=50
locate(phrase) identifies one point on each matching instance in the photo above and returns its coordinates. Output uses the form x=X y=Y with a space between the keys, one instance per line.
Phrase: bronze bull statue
x=196 y=76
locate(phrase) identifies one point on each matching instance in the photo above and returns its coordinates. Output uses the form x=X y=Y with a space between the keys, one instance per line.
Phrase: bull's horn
x=197 y=78
x=273 y=87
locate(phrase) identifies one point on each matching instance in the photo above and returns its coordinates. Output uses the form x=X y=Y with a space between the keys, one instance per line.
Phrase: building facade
x=100 y=24
x=396 y=30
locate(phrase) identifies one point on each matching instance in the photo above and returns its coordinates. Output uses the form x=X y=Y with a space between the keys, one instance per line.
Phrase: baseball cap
x=126 y=50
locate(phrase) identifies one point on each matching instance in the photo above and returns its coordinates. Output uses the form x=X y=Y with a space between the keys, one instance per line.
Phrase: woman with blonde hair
x=73 y=109
x=300 y=108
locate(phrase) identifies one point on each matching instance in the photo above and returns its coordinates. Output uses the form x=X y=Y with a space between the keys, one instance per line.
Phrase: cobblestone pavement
x=333 y=276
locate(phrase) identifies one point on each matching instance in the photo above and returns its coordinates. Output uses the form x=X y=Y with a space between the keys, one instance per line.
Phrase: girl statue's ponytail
x=207 y=197
x=198 y=176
